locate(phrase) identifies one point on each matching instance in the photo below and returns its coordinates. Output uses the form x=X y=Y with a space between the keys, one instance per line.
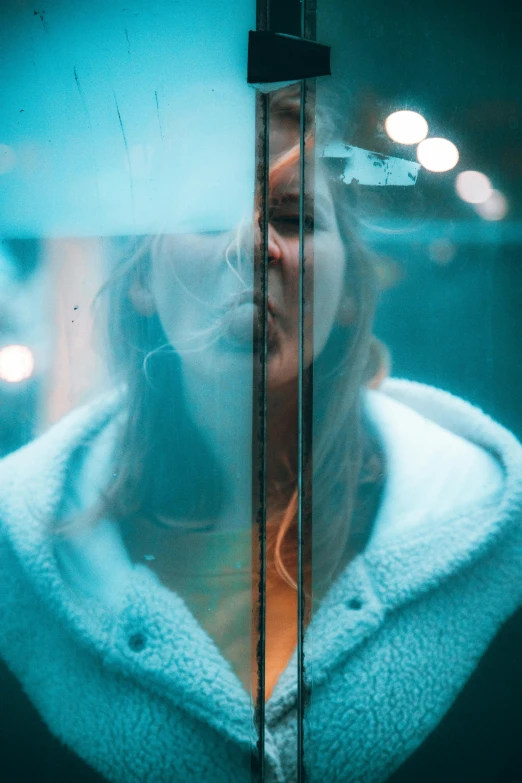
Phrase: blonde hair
x=347 y=466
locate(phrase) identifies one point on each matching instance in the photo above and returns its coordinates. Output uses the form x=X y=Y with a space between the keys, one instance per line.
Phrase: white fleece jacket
x=121 y=671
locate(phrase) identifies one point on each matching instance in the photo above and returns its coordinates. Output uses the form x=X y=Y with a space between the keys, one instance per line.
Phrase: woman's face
x=202 y=284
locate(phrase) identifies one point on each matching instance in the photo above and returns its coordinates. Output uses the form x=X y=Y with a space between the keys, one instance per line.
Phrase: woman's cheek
x=328 y=287
x=165 y=296
x=187 y=294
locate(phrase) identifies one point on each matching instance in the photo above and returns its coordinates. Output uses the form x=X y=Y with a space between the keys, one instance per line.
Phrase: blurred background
x=449 y=249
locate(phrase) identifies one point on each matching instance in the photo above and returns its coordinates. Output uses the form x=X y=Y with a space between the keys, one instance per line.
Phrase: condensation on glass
x=128 y=189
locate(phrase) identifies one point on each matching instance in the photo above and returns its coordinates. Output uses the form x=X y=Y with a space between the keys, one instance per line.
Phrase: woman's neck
x=281 y=440
x=225 y=412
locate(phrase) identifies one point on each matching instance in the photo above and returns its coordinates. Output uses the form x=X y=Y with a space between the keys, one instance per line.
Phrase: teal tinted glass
x=417 y=131
x=252 y=536
x=128 y=335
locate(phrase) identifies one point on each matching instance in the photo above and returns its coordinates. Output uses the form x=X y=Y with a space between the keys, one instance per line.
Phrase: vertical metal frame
x=305 y=398
x=259 y=440
x=306 y=13
x=301 y=456
x=304 y=429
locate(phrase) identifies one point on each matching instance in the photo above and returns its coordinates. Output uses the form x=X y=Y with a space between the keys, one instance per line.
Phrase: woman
x=127 y=533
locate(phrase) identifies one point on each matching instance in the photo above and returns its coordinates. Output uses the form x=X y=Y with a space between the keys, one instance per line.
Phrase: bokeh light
x=406 y=127
x=16 y=363
x=473 y=187
x=495 y=208
x=437 y=154
x=442 y=251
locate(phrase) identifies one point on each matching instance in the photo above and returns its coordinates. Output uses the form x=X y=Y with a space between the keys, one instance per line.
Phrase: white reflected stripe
x=372 y=168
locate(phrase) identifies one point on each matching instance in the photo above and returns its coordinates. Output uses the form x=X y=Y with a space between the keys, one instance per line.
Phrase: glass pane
x=278 y=376
x=290 y=358
x=127 y=344
x=282 y=380
x=416 y=290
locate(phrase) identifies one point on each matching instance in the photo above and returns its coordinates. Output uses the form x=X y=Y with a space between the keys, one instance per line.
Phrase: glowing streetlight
x=406 y=127
x=437 y=154
x=16 y=363
x=473 y=187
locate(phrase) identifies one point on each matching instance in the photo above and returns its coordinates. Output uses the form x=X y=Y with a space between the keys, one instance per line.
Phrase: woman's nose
x=274 y=249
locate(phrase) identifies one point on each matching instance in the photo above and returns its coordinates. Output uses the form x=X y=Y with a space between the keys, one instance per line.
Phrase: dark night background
x=451 y=313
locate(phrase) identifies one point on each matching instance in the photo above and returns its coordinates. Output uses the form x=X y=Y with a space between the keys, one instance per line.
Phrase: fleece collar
x=144 y=631
x=453 y=493
x=460 y=496
x=418 y=542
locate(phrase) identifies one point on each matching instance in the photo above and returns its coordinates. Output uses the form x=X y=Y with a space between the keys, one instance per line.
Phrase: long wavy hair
x=162 y=450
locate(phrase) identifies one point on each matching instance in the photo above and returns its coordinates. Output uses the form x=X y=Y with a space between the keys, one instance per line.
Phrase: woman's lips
x=243 y=321
x=251 y=297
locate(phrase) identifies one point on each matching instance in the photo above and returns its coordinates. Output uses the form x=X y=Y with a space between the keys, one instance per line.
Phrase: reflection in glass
x=134 y=331
x=400 y=474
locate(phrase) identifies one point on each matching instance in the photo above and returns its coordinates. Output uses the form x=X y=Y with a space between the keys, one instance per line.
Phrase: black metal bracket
x=276 y=57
